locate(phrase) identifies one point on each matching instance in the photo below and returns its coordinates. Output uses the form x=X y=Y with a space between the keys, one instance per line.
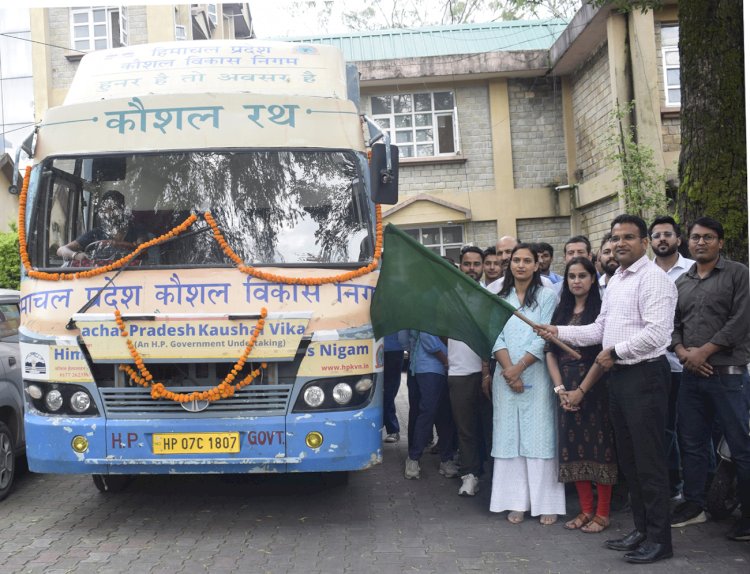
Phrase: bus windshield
x=274 y=207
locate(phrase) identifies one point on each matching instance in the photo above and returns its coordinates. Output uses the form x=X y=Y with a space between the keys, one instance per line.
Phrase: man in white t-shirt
x=664 y=234
x=472 y=410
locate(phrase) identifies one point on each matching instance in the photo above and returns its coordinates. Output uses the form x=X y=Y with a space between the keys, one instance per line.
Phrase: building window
x=671 y=57
x=212 y=13
x=444 y=240
x=422 y=124
x=180 y=33
x=98 y=28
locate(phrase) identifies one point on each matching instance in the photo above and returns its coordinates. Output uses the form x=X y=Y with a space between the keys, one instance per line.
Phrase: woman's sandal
x=578 y=522
x=596 y=525
x=515 y=517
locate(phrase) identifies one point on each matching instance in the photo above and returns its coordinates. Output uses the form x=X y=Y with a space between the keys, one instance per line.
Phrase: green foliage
x=10 y=261
x=644 y=187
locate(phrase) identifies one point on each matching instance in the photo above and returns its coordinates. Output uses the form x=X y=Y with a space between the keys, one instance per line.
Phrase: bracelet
x=582 y=391
x=559 y=388
x=525 y=366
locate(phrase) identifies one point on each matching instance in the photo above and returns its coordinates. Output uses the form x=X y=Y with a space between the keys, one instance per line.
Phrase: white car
x=12 y=441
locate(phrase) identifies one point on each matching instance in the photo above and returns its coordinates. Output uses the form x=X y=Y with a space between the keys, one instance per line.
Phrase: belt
x=619 y=367
x=729 y=370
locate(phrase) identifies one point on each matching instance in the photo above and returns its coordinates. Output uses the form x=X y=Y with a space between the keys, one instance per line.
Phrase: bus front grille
x=136 y=403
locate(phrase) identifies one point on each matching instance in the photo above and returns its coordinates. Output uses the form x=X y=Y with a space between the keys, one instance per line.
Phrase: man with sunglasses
x=711 y=339
x=665 y=243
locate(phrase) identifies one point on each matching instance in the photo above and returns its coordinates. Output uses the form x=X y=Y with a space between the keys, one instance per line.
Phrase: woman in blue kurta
x=524 y=428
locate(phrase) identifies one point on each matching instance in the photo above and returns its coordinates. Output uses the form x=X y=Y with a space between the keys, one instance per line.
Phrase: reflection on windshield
x=273 y=207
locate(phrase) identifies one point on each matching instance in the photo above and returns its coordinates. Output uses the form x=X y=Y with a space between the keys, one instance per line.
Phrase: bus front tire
x=7 y=461
x=111 y=483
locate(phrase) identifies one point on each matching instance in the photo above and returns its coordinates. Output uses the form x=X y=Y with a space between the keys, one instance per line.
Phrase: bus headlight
x=342 y=393
x=60 y=399
x=314 y=396
x=53 y=400
x=363 y=385
x=335 y=394
x=80 y=401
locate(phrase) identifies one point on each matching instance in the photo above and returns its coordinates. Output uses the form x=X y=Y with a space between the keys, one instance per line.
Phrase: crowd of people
x=660 y=350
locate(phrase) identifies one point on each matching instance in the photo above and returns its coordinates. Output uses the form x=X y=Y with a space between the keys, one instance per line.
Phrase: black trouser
x=638 y=396
x=472 y=415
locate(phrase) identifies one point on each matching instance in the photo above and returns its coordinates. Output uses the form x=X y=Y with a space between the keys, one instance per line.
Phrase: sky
x=277 y=18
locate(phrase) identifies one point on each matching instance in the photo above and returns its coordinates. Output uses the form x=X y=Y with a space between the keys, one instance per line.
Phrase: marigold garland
x=31 y=272
x=175 y=231
x=226 y=388
x=272 y=277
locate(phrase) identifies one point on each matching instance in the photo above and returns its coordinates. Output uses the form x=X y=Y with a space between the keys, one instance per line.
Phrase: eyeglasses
x=664 y=234
x=707 y=238
x=626 y=237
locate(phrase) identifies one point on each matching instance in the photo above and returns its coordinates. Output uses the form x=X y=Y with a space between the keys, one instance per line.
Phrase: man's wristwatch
x=614 y=355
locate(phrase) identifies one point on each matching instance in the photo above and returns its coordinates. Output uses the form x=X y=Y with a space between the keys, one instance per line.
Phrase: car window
x=10 y=319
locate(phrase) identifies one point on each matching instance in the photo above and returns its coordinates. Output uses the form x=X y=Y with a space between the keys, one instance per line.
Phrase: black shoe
x=649 y=552
x=741 y=530
x=628 y=542
x=686 y=514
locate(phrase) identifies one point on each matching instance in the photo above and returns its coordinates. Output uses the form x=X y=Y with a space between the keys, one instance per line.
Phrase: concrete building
x=492 y=118
x=63 y=35
x=16 y=88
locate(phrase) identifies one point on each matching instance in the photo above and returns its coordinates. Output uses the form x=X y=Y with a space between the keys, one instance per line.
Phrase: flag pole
x=552 y=339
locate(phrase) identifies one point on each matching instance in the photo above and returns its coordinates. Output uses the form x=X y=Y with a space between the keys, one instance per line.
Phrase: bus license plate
x=196 y=443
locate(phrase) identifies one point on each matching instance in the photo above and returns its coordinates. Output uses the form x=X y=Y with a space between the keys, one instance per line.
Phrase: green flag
x=418 y=289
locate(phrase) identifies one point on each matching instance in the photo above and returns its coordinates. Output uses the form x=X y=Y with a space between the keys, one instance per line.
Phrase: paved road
x=378 y=523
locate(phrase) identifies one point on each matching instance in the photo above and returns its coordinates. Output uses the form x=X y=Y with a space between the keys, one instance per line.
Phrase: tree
x=419 y=13
x=713 y=155
x=713 y=158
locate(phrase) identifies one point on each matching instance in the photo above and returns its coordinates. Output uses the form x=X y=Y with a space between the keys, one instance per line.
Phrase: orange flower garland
x=174 y=232
x=224 y=389
x=272 y=277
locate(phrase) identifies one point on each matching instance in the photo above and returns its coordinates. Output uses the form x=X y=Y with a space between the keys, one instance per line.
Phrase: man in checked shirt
x=634 y=328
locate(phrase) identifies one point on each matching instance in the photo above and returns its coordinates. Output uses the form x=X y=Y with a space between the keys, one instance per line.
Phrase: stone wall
x=475 y=144
x=552 y=230
x=536 y=129
x=481 y=233
x=591 y=109
x=671 y=134
x=596 y=219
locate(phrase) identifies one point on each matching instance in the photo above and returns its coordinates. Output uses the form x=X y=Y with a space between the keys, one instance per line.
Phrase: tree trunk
x=713 y=159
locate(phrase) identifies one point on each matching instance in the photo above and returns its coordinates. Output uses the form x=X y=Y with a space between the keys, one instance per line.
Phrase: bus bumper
x=351 y=441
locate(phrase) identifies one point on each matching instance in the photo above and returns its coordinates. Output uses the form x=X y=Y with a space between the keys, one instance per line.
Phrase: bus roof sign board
x=199 y=67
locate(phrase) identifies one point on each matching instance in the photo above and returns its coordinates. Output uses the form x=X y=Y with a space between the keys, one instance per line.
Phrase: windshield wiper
x=87 y=305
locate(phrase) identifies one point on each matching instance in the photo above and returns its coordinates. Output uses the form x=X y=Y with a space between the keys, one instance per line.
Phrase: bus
x=200 y=235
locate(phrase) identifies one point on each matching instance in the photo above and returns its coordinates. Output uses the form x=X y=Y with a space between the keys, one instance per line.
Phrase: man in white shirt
x=665 y=242
x=472 y=410
x=634 y=328
x=493 y=267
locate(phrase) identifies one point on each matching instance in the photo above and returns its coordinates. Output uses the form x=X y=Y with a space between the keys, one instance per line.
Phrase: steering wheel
x=107 y=249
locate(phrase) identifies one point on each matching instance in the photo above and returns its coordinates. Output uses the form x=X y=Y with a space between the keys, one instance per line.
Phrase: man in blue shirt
x=429 y=382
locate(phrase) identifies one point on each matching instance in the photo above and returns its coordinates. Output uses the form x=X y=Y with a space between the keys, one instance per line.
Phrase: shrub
x=10 y=261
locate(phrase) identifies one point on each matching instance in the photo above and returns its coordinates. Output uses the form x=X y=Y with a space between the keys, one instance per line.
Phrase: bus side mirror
x=384 y=177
